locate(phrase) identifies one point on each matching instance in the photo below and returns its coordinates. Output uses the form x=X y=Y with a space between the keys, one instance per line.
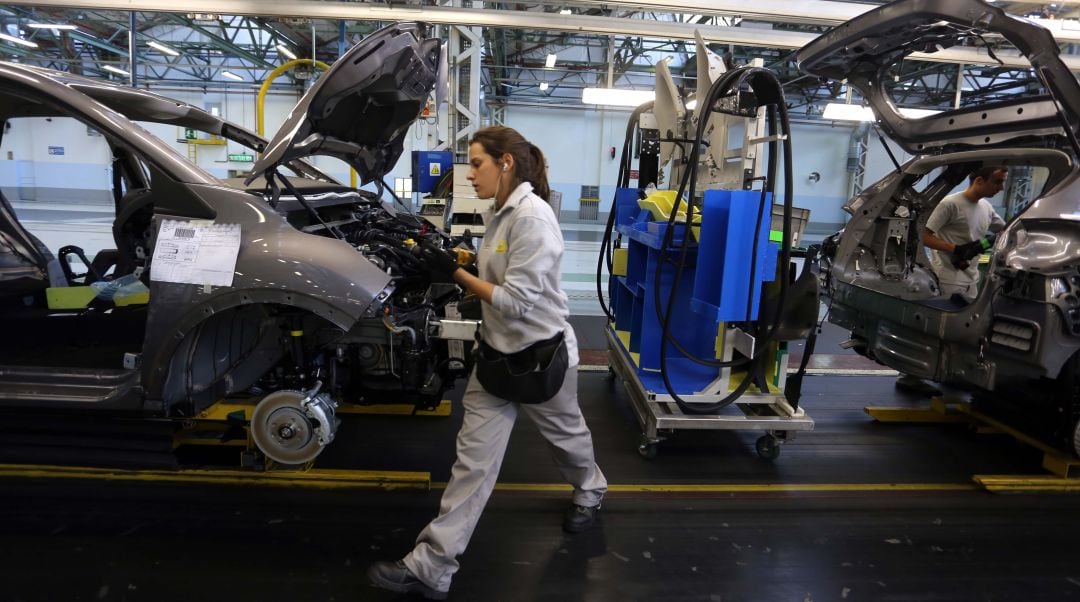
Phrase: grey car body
x=1020 y=337
x=324 y=294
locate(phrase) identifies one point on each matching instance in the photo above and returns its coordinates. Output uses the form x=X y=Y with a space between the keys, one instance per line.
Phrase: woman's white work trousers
x=481 y=444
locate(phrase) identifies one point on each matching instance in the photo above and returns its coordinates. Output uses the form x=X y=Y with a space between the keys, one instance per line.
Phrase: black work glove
x=436 y=261
x=964 y=253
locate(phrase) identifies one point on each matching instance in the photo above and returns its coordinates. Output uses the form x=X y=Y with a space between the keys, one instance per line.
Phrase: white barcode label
x=196 y=252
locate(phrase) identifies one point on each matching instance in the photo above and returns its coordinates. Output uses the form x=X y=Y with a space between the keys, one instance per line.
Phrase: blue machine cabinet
x=720 y=282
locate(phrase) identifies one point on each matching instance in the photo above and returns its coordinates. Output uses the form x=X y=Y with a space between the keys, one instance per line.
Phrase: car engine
x=396 y=356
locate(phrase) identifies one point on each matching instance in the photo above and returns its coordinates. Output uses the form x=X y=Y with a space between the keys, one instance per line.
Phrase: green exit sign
x=242 y=158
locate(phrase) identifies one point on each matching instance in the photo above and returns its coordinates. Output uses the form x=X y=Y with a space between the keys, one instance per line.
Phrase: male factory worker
x=956 y=233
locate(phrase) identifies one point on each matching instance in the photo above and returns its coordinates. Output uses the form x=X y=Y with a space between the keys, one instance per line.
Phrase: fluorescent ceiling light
x=163 y=48
x=66 y=26
x=550 y=62
x=231 y=75
x=116 y=70
x=918 y=113
x=845 y=112
x=543 y=86
x=283 y=49
x=13 y=39
x=616 y=97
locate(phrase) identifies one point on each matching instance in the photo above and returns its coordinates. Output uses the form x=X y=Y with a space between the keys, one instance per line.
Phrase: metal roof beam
x=806 y=12
x=220 y=41
x=315 y=9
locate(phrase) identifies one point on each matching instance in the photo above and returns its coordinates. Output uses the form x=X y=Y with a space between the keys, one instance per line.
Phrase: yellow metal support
x=313 y=479
x=261 y=98
x=1065 y=468
x=1055 y=461
x=1027 y=483
x=919 y=415
x=260 y=101
x=395 y=409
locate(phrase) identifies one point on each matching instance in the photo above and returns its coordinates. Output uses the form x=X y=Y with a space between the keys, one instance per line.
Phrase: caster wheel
x=768 y=447
x=647 y=449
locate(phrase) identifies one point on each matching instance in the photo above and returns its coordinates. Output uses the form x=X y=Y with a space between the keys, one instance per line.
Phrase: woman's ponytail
x=537 y=175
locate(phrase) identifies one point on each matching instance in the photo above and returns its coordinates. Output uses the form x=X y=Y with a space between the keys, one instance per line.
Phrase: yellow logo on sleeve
x=501 y=247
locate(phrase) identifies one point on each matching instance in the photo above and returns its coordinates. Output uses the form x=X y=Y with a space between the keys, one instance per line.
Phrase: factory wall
x=578 y=143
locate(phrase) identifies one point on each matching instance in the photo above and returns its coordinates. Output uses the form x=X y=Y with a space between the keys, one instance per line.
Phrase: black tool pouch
x=532 y=375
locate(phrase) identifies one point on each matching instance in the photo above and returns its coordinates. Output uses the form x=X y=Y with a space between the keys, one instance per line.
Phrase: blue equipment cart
x=719 y=284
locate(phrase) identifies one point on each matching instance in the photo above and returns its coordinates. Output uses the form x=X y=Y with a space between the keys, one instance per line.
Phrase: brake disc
x=290 y=427
x=1076 y=438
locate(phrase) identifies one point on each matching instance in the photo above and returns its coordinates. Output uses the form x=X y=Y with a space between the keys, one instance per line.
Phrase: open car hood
x=863 y=49
x=361 y=109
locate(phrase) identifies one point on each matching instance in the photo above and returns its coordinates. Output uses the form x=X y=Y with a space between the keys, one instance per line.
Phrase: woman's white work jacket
x=521 y=255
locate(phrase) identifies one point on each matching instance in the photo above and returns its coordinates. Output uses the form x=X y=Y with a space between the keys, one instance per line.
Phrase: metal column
x=464 y=107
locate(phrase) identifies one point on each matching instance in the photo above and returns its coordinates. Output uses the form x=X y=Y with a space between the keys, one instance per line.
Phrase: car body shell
x=278 y=264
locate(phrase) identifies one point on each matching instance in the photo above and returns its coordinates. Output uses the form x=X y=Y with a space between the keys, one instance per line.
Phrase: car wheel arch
x=165 y=342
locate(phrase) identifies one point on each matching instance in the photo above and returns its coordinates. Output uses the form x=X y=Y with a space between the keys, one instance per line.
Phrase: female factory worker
x=523 y=304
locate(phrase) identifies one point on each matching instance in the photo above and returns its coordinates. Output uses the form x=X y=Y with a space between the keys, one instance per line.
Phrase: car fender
x=276 y=264
x=164 y=337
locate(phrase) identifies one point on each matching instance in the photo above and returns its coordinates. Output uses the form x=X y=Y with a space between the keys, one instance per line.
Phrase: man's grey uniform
x=521 y=255
x=959 y=221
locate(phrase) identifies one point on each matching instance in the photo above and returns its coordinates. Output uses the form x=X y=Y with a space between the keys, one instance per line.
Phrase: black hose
x=303 y=201
x=725 y=84
x=691 y=177
x=623 y=181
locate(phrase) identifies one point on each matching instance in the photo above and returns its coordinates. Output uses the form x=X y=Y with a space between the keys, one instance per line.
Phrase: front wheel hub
x=293 y=428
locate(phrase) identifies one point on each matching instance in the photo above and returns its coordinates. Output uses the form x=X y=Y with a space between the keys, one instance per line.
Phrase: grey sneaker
x=580 y=518
x=396 y=577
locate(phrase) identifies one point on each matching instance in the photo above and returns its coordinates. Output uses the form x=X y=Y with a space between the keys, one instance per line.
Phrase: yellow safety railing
x=260 y=115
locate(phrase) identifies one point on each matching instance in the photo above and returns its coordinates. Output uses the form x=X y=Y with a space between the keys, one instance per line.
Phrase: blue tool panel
x=429 y=167
x=720 y=280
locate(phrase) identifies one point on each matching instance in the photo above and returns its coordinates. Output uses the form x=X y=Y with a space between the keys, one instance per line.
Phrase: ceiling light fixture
x=550 y=62
x=163 y=48
x=116 y=70
x=231 y=75
x=844 y=112
x=565 y=11
x=283 y=49
x=20 y=41
x=543 y=86
x=918 y=113
x=66 y=26
x=616 y=97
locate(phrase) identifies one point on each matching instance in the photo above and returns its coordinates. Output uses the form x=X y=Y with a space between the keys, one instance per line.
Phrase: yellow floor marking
x=352 y=479
x=739 y=487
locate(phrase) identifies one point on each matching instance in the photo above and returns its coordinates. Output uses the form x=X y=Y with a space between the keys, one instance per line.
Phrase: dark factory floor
x=853 y=510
